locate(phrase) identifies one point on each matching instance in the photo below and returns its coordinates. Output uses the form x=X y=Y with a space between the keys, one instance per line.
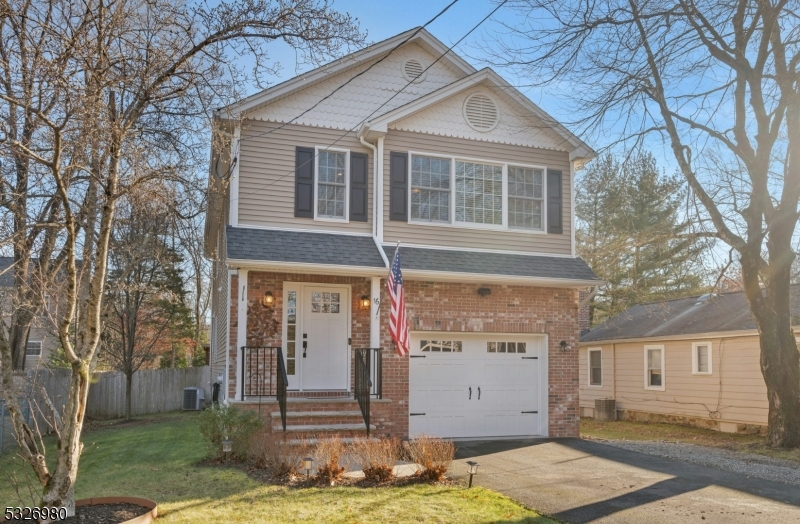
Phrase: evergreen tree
x=632 y=233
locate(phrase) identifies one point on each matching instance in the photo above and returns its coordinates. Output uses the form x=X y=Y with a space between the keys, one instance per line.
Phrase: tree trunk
x=21 y=322
x=60 y=488
x=128 y=388
x=780 y=365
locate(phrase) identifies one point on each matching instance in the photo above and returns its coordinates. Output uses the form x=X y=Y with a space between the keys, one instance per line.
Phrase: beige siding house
x=692 y=361
x=401 y=149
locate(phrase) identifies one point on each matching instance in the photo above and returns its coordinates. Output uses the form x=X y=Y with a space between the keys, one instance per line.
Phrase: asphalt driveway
x=576 y=481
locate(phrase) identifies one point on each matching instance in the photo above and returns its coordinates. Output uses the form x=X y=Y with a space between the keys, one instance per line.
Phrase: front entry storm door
x=322 y=351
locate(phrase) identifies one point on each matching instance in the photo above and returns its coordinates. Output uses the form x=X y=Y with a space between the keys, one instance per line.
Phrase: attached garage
x=477 y=385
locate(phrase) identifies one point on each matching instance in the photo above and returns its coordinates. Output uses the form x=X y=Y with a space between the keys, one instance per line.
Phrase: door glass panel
x=323 y=302
x=291 y=332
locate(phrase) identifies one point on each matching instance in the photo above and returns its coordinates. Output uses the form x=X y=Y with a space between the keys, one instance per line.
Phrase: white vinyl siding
x=654 y=367
x=266 y=172
x=596 y=367
x=701 y=358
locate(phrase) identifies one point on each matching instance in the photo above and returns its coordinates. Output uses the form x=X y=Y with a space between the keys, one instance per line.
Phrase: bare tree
x=718 y=82
x=118 y=98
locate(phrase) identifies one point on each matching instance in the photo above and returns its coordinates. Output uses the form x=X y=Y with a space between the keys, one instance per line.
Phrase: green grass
x=158 y=459
x=623 y=430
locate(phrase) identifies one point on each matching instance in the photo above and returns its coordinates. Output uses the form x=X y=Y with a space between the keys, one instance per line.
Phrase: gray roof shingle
x=302 y=247
x=535 y=266
x=684 y=316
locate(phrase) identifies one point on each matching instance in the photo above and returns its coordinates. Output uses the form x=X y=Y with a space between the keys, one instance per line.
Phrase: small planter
x=145 y=518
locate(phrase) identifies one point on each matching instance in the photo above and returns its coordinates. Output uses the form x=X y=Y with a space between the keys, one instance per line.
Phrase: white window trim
x=589 y=367
x=468 y=225
x=41 y=348
x=663 y=385
x=695 y=345
x=346 y=219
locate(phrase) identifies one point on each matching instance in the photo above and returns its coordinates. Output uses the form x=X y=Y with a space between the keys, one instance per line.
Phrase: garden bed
x=113 y=510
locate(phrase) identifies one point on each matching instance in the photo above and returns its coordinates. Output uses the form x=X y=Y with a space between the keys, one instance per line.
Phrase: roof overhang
x=376 y=128
x=688 y=336
x=306 y=268
x=485 y=278
x=418 y=35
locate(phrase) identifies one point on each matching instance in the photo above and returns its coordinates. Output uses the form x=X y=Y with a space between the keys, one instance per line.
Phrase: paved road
x=581 y=481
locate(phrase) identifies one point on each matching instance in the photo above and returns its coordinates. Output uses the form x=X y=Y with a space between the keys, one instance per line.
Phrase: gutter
x=377 y=201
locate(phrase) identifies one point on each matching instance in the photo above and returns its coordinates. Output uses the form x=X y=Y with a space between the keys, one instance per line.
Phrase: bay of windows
x=453 y=191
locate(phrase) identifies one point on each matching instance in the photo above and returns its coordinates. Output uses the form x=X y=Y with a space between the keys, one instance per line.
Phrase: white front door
x=477 y=385
x=324 y=348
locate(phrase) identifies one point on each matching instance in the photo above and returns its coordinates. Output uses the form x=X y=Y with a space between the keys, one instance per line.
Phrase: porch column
x=374 y=317
x=241 y=330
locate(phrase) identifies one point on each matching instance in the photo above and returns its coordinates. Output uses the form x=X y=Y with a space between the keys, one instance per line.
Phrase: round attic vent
x=481 y=112
x=413 y=70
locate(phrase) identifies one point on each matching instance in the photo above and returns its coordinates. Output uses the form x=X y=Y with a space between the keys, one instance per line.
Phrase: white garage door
x=477 y=385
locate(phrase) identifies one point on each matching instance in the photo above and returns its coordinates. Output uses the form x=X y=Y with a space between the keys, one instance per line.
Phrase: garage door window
x=440 y=346
x=506 y=347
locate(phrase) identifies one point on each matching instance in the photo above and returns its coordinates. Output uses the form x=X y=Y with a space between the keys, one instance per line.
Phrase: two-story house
x=309 y=199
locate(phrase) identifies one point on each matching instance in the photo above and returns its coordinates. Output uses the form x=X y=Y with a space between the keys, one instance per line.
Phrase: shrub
x=223 y=422
x=327 y=455
x=284 y=459
x=376 y=457
x=433 y=454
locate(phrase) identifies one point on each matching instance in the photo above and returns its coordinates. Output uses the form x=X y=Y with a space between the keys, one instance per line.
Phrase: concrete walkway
x=577 y=481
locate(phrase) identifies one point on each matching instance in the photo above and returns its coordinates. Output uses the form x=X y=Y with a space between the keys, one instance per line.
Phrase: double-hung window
x=654 y=367
x=701 y=358
x=595 y=367
x=331 y=184
x=464 y=192
x=430 y=189
x=525 y=198
x=33 y=348
x=479 y=193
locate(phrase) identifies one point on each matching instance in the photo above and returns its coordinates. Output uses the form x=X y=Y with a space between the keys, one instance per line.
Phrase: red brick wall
x=444 y=307
x=583 y=314
x=232 y=351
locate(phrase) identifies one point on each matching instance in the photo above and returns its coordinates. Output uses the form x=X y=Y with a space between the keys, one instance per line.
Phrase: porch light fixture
x=565 y=346
x=269 y=299
x=484 y=291
x=472 y=469
x=308 y=463
x=364 y=302
x=227 y=447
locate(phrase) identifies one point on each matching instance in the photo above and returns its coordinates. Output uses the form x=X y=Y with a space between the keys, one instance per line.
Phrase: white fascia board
x=379 y=126
x=304 y=267
x=346 y=62
x=452 y=276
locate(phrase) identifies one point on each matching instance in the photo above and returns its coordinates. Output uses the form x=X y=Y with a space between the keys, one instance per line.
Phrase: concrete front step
x=296 y=414
x=314 y=428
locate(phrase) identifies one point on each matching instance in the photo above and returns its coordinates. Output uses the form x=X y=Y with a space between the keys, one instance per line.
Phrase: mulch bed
x=105 y=514
x=299 y=481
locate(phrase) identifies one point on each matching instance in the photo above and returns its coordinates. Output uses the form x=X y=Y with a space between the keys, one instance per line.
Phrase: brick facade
x=439 y=307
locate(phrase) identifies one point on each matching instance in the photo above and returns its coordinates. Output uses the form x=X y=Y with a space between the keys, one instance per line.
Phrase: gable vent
x=412 y=70
x=480 y=112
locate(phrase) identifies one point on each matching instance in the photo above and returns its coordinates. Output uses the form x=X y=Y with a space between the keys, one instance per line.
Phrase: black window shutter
x=555 y=204
x=398 y=186
x=304 y=182
x=359 y=186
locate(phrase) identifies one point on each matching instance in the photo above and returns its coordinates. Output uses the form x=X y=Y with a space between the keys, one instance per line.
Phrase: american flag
x=398 y=322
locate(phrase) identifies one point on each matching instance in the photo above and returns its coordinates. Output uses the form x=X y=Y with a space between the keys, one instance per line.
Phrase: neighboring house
x=476 y=183
x=43 y=338
x=692 y=360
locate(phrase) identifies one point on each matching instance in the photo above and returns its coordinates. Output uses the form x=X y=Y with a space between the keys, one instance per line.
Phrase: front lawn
x=623 y=430
x=158 y=459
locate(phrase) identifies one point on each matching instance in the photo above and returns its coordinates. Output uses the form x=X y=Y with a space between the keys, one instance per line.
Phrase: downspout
x=589 y=297
x=377 y=200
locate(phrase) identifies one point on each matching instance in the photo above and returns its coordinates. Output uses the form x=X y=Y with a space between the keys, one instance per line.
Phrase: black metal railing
x=283 y=384
x=264 y=375
x=368 y=383
x=259 y=371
